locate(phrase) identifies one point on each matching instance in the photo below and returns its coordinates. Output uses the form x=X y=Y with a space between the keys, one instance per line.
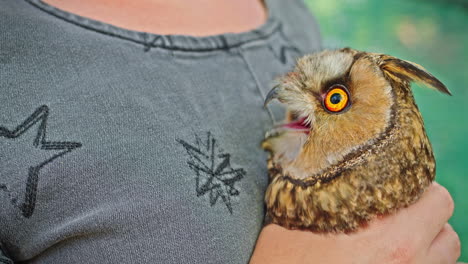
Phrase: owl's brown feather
x=372 y=159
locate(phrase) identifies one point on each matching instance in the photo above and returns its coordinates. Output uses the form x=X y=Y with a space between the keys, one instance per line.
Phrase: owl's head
x=337 y=102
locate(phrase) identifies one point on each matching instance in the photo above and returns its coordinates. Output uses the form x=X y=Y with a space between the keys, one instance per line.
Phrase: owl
x=353 y=145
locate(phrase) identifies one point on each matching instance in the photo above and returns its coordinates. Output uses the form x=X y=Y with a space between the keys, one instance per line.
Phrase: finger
x=430 y=213
x=445 y=248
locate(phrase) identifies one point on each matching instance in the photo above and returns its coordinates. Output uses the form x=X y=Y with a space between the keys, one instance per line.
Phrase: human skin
x=176 y=17
x=417 y=234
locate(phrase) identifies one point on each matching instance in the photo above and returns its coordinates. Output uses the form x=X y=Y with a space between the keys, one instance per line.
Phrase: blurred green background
x=433 y=34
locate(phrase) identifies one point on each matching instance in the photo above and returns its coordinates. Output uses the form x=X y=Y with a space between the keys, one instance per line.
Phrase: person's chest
x=149 y=147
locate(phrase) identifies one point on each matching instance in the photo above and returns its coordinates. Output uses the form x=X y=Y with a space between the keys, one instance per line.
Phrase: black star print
x=53 y=149
x=214 y=174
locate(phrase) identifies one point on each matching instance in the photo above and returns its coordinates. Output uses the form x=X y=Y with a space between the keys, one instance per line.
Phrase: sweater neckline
x=172 y=42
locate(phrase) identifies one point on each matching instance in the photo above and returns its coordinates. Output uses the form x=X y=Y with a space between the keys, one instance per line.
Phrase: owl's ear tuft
x=410 y=71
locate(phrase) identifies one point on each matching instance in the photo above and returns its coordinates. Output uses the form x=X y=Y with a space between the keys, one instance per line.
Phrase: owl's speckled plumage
x=348 y=167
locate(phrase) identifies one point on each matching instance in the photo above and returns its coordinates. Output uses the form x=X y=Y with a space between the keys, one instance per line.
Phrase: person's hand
x=417 y=234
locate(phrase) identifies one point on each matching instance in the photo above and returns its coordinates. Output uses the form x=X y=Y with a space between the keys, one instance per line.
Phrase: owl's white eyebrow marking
x=323 y=68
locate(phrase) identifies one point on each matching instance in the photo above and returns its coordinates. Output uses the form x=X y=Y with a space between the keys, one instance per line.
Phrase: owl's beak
x=294 y=122
x=272 y=94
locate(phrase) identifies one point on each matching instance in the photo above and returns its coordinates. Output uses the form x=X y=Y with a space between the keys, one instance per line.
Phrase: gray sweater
x=119 y=146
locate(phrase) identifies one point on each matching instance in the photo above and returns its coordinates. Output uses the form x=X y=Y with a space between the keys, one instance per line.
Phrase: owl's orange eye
x=336 y=99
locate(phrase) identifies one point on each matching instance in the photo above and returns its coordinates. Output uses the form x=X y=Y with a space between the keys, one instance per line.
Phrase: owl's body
x=333 y=169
